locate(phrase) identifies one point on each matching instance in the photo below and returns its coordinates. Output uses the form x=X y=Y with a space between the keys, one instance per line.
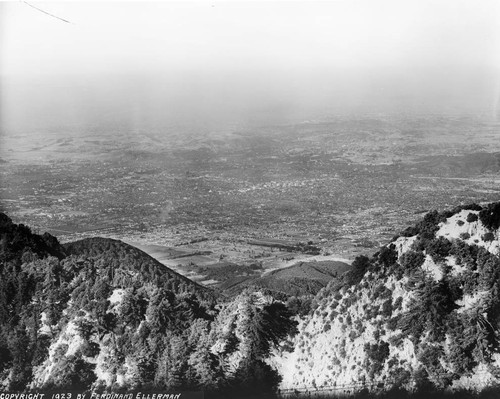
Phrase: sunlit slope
x=423 y=310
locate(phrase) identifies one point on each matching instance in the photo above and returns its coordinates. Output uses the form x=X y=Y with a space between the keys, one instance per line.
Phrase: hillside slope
x=118 y=257
x=104 y=315
x=423 y=311
x=304 y=278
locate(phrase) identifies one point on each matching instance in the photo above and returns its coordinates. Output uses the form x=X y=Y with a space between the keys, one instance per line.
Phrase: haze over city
x=162 y=63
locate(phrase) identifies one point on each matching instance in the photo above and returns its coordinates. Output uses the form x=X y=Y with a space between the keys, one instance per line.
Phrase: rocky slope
x=424 y=310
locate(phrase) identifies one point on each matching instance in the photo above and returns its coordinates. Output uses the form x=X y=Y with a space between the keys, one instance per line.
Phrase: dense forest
x=99 y=313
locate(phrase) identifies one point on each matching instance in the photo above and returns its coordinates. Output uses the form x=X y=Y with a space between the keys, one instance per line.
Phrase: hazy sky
x=282 y=50
x=141 y=36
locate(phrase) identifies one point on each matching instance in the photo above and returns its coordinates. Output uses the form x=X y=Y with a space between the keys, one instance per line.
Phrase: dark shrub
x=387 y=256
x=488 y=237
x=464 y=236
x=429 y=225
x=387 y=308
x=465 y=254
x=471 y=207
x=470 y=282
x=398 y=302
x=412 y=260
x=438 y=248
x=359 y=267
x=408 y=232
x=429 y=356
x=490 y=216
x=392 y=323
x=377 y=353
x=472 y=217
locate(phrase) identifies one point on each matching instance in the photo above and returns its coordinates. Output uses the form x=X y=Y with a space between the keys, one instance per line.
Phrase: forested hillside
x=105 y=315
x=126 y=264
x=421 y=313
x=304 y=278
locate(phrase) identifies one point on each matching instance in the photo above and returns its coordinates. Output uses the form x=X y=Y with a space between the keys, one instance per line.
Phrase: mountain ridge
x=106 y=316
x=424 y=310
x=422 y=313
x=111 y=250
